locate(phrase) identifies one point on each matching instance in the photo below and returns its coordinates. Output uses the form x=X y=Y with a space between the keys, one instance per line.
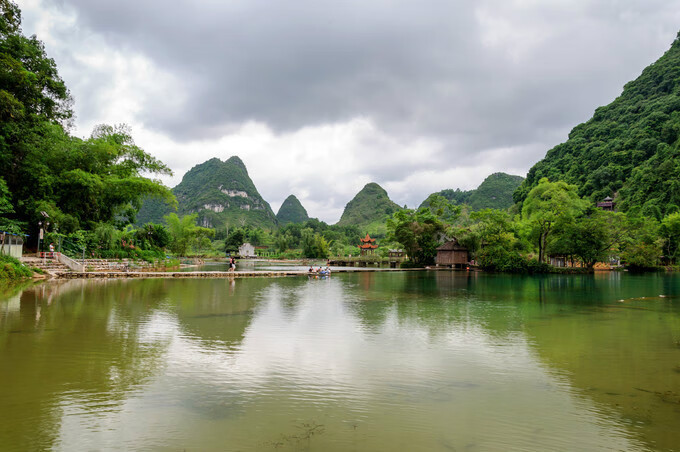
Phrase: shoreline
x=223 y=275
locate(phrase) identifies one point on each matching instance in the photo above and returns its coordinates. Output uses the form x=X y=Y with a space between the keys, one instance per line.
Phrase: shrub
x=11 y=268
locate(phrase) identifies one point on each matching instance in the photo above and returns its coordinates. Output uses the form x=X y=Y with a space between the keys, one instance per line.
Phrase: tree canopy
x=78 y=182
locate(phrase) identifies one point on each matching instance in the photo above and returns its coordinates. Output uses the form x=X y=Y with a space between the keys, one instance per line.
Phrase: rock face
x=220 y=193
x=495 y=192
x=371 y=204
x=291 y=211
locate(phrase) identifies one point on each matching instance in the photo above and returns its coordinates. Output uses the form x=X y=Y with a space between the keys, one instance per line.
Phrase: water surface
x=365 y=361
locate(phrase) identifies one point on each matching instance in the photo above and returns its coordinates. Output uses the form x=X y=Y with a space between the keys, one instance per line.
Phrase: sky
x=320 y=97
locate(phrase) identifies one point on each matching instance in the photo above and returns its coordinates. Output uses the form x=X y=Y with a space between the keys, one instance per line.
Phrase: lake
x=439 y=360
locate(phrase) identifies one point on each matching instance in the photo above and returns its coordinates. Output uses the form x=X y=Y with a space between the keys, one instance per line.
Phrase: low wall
x=12 y=250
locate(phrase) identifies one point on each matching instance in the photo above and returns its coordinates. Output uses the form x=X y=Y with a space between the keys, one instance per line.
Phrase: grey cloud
x=417 y=69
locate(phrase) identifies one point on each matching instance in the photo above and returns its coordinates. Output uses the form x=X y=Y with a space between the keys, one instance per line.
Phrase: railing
x=70 y=263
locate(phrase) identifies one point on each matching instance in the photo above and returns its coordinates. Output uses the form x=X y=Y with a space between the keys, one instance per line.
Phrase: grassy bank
x=11 y=269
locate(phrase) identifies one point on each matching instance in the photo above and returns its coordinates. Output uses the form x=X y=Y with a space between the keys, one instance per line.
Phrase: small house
x=11 y=244
x=246 y=250
x=452 y=254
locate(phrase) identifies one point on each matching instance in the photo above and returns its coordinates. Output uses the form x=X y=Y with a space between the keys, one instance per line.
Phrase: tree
x=420 y=231
x=670 y=231
x=314 y=245
x=547 y=205
x=591 y=237
x=79 y=183
x=235 y=239
x=642 y=246
x=182 y=232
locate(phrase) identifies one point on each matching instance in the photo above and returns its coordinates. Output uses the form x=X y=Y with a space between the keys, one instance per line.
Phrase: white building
x=246 y=250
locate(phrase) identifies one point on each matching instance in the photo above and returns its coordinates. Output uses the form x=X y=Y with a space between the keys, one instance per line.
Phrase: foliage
x=314 y=245
x=186 y=235
x=495 y=192
x=221 y=193
x=291 y=211
x=419 y=231
x=629 y=147
x=11 y=268
x=6 y=224
x=670 y=231
x=371 y=204
x=549 y=205
x=591 y=237
x=642 y=247
x=78 y=183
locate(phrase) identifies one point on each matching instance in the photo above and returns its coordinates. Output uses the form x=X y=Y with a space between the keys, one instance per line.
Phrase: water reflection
x=366 y=361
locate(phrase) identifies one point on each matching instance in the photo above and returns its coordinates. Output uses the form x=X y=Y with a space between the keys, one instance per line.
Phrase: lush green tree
x=670 y=231
x=642 y=245
x=152 y=236
x=7 y=224
x=420 y=231
x=548 y=205
x=236 y=238
x=182 y=231
x=314 y=245
x=78 y=183
x=592 y=237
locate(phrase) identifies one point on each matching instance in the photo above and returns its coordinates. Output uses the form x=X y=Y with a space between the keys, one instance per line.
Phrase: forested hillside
x=291 y=211
x=220 y=193
x=369 y=205
x=629 y=148
x=495 y=192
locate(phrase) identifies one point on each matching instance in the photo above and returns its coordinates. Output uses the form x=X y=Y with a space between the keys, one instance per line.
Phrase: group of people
x=319 y=271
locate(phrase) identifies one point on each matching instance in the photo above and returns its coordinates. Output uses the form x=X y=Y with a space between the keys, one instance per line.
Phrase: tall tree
x=547 y=205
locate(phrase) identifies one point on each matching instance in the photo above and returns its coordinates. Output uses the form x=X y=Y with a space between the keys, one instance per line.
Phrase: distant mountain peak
x=291 y=211
x=221 y=193
x=235 y=160
x=371 y=204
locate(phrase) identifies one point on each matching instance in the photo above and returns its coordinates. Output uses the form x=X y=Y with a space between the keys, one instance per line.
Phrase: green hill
x=495 y=192
x=220 y=192
x=371 y=204
x=291 y=211
x=628 y=148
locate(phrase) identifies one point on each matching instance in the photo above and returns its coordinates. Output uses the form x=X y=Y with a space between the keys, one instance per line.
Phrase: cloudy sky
x=320 y=97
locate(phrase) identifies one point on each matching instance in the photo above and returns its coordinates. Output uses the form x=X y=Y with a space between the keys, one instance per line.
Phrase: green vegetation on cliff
x=291 y=211
x=495 y=192
x=371 y=204
x=628 y=148
x=221 y=193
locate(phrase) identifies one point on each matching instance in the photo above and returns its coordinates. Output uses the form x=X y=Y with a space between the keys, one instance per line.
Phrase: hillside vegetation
x=369 y=205
x=628 y=149
x=221 y=193
x=495 y=192
x=291 y=211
